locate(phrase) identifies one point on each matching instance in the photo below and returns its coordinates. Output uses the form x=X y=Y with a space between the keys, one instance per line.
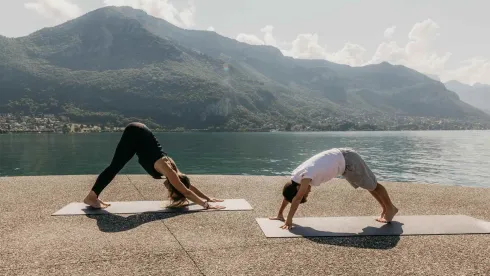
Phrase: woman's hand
x=202 y=195
x=215 y=200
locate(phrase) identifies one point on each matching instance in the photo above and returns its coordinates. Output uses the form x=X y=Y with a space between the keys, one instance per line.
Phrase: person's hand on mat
x=287 y=225
x=216 y=207
x=215 y=200
x=281 y=218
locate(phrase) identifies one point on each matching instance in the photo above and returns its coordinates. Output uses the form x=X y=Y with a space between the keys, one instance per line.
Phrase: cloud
x=389 y=32
x=268 y=37
x=249 y=39
x=57 y=10
x=351 y=54
x=184 y=18
x=418 y=53
x=252 y=39
x=306 y=46
x=475 y=70
x=425 y=30
x=187 y=15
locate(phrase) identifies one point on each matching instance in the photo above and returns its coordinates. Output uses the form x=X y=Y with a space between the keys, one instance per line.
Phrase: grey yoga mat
x=133 y=207
x=368 y=226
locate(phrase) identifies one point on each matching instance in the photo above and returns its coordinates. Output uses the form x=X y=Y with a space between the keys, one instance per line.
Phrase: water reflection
x=446 y=157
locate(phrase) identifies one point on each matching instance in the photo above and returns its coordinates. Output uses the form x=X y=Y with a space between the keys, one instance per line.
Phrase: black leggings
x=136 y=139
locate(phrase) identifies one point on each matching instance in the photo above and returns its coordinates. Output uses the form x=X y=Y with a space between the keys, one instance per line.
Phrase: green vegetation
x=116 y=65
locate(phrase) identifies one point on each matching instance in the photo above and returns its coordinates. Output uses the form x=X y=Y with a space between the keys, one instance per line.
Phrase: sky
x=445 y=38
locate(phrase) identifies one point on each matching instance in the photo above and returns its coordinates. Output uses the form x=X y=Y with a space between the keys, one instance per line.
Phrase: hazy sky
x=448 y=38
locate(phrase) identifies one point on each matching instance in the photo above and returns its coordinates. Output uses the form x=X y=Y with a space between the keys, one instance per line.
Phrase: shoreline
x=251 y=131
x=94 y=175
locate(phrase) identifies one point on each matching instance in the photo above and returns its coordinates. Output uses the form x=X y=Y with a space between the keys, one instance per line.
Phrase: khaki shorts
x=357 y=172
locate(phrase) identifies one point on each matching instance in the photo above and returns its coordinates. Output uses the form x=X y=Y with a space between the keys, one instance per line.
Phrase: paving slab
x=31 y=237
x=173 y=263
x=28 y=200
x=438 y=255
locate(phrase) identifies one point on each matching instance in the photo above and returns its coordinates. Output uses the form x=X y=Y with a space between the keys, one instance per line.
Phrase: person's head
x=291 y=189
x=174 y=195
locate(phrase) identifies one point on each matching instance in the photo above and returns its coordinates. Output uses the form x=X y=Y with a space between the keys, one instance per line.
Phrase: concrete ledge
x=221 y=243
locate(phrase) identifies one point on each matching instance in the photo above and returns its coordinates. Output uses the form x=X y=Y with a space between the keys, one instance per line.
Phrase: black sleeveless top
x=148 y=150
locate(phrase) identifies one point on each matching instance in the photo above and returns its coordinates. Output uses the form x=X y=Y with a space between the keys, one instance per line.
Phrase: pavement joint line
x=170 y=231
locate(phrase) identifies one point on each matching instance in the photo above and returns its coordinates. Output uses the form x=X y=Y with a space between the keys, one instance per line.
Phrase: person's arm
x=174 y=180
x=280 y=215
x=295 y=203
x=202 y=195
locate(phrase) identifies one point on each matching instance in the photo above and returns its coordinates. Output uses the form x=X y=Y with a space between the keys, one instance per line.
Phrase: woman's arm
x=202 y=195
x=198 y=193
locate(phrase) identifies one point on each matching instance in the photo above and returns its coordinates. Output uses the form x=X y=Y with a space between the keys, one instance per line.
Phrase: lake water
x=444 y=157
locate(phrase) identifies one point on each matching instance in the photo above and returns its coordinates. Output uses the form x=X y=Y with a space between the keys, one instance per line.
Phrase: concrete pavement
x=227 y=243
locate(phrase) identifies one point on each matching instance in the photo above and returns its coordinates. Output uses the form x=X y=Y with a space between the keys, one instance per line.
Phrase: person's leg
x=376 y=195
x=125 y=150
x=356 y=174
x=390 y=209
x=359 y=174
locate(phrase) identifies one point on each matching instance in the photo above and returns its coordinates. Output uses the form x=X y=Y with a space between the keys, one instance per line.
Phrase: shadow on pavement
x=112 y=223
x=384 y=237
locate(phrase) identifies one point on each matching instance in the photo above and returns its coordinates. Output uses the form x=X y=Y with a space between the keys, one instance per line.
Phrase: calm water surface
x=445 y=157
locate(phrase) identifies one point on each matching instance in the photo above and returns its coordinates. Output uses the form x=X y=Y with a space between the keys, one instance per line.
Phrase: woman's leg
x=125 y=150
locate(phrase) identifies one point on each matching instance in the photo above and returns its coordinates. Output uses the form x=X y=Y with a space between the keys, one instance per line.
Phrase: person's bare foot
x=103 y=204
x=390 y=213
x=381 y=216
x=93 y=201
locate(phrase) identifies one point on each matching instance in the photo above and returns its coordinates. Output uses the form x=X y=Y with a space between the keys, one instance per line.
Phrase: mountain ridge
x=477 y=95
x=118 y=63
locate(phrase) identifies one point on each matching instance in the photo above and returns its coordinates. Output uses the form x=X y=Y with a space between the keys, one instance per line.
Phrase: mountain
x=117 y=64
x=478 y=95
x=434 y=77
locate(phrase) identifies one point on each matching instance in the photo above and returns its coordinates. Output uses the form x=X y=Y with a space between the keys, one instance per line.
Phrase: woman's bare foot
x=93 y=201
x=103 y=204
x=390 y=213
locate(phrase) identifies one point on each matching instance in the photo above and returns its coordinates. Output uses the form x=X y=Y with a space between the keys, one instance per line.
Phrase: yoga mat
x=368 y=226
x=133 y=207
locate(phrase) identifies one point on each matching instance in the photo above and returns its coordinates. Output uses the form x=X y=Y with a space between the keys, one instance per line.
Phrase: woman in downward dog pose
x=138 y=139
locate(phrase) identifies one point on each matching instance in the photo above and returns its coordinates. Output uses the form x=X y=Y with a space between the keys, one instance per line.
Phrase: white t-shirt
x=321 y=167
